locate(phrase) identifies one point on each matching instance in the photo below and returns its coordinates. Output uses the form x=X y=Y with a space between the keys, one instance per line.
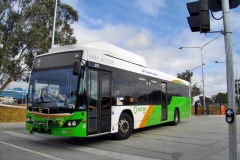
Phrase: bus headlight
x=29 y=119
x=74 y=123
x=69 y=123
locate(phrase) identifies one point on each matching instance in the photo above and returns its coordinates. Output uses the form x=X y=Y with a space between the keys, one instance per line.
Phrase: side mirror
x=76 y=67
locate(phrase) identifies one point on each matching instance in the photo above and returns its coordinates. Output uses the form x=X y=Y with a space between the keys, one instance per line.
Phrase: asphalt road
x=195 y=138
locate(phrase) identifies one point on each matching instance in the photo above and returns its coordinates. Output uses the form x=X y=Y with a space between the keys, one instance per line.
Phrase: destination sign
x=56 y=60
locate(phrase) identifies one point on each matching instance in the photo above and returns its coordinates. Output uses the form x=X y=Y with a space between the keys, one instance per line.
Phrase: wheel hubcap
x=123 y=126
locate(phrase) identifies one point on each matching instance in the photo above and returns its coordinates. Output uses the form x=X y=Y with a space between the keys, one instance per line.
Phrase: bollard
x=222 y=110
x=199 y=110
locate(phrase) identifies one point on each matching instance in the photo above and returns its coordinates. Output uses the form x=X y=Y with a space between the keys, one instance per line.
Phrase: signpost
x=229 y=115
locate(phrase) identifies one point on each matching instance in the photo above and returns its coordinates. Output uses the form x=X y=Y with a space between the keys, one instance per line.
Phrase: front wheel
x=125 y=127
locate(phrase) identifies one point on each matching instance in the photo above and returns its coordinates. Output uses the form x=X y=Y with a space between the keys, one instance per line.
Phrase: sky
x=155 y=30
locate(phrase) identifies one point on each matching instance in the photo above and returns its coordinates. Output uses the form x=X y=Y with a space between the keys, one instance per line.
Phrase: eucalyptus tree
x=26 y=31
x=187 y=75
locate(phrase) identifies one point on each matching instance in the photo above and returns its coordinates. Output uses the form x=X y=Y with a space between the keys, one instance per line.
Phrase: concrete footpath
x=12 y=106
x=12 y=126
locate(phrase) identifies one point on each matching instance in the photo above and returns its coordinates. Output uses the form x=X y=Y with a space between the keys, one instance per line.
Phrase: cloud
x=116 y=34
x=151 y=7
x=235 y=17
x=160 y=49
x=141 y=41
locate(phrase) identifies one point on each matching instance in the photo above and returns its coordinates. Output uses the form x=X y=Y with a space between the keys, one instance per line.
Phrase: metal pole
x=202 y=68
x=204 y=105
x=230 y=79
x=54 y=21
x=237 y=90
x=190 y=93
x=22 y=97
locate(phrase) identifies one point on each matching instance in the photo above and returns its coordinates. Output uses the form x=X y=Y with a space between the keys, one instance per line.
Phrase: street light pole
x=204 y=105
x=191 y=82
x=54 y=21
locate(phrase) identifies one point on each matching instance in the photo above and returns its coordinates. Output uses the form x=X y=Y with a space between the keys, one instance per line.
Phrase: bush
x=8 y=114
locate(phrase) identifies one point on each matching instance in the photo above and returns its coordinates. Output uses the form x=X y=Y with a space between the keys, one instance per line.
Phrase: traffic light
x=199 y=20
x=216 y=5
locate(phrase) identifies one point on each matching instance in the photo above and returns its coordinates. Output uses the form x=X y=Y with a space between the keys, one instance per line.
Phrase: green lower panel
x=153 y=122
x=183 y=104
x=156 y=115
x=58 y=126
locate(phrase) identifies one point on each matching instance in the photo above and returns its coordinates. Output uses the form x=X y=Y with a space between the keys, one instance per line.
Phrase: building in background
x=15 y=95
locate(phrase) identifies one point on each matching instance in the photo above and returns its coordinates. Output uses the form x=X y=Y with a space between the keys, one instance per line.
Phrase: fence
x=220 y=110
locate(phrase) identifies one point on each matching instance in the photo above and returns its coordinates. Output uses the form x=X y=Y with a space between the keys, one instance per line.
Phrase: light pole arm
x=210 y=41
x=202 y=68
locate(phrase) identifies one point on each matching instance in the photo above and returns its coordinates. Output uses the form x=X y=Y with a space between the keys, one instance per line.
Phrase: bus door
x=99 y=108
x=164 y=100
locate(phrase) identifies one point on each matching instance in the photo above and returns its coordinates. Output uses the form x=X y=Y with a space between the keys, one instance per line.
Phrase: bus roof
x=106 y=49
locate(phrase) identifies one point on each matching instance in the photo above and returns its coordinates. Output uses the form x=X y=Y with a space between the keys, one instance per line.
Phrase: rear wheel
x=176 y=118
x=125 y=127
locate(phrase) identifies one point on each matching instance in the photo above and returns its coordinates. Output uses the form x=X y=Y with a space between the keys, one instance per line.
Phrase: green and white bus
x=95 y=88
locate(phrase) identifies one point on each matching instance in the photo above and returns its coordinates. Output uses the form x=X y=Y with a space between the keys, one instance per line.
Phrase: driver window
x=44 y=91
x=61 y=93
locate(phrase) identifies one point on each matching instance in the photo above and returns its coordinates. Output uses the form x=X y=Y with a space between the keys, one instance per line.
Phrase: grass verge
x=8 y=114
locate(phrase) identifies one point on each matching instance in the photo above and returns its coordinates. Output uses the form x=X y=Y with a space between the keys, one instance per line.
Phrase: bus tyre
x=176 y=118
x=125 y=127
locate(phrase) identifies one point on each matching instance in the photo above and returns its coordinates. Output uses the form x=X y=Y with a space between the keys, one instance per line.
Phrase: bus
x=95 y=88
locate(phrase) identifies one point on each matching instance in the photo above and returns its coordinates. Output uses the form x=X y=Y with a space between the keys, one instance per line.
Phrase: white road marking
x=31 y=151
x=95 y=151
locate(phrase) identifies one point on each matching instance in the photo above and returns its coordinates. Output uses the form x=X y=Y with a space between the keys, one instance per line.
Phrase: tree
x=220 y=98
x=26 y=31
x=195 y=91
x=208 y=100
x=185 y=75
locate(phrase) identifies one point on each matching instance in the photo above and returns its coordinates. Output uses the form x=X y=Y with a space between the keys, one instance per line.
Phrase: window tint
x=177 y=90
x=155 y=92
x=93 y=99
x=130 y=88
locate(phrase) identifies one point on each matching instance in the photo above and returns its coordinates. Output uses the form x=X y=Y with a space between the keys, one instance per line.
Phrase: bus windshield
x=53 y=88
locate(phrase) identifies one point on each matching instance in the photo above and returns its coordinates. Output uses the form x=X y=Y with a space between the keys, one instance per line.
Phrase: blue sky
x=155 y=29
